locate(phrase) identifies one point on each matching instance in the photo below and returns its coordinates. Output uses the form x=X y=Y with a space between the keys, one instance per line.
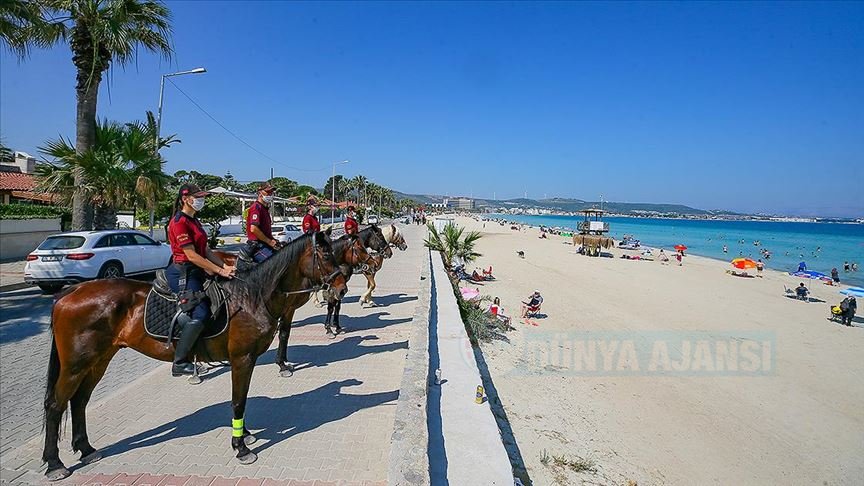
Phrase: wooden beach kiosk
x=591 y=232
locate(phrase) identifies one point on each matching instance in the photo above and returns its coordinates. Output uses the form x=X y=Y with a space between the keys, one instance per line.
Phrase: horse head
x=396 y=238
x=319 y=265
x=353 y=255
x=375 y=239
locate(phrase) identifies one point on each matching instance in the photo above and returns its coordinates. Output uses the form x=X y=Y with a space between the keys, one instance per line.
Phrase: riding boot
x=182 y=365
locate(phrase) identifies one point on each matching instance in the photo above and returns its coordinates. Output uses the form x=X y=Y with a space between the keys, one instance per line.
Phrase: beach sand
x=798 y=419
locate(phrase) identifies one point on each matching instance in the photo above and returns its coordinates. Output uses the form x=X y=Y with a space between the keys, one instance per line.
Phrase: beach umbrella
x=853 y=291
x=743 y=263
x=680 y=247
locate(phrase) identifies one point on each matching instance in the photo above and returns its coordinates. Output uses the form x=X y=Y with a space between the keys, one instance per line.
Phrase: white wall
x=18 y=237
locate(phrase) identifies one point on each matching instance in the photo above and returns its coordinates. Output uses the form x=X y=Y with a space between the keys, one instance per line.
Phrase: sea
x=822 y=246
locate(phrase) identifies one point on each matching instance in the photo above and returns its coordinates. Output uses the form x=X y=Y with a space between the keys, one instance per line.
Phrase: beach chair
x=533 y=310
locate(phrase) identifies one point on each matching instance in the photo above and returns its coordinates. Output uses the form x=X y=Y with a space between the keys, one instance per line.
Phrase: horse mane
x=255 y=283
x=339 y=245
x=392 y=234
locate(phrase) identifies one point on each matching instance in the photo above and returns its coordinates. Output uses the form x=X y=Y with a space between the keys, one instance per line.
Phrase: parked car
x=372 y=219
x=285 y=233
x=69 y=258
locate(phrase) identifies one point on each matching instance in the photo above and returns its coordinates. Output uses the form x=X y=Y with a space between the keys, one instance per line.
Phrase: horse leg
x=241 y=377
x=366 y=298
x=337 y=308
x=80 y=441
x=62 y=383
x=327 y=320
x=286 y=369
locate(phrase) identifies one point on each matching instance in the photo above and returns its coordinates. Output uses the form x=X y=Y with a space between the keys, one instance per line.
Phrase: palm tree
x=99 y=32
x=359 y=183
x=120 y=170
x=452 y=245
x=6 y=154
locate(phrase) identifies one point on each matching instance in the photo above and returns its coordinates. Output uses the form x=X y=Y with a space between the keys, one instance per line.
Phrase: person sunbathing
x=533 y=304
x=496 y=310
x=801 y=291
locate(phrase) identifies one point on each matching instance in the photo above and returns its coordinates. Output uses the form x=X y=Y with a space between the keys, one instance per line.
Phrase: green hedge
x=34 y=211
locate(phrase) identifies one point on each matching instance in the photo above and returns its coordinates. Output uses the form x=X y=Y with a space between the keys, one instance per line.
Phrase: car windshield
x=62 y=243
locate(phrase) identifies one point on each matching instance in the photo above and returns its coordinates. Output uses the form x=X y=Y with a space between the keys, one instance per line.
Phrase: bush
x=32 y=211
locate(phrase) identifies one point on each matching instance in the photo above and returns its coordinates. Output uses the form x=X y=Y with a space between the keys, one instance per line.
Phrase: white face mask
x=268 y=200
x=197 y=203
x=314 y=210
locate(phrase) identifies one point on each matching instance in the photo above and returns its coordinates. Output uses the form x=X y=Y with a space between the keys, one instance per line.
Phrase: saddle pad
x=159 y=310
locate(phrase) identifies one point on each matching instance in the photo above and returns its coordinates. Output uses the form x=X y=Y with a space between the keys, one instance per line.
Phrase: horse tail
x=53 y=373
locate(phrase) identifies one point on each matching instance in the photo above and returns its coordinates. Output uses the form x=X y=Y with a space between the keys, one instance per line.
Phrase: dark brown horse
x=93 y=320
x=370 y=237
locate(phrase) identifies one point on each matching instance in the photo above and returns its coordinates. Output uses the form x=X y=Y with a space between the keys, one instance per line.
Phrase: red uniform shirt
x=259 y=216
x=310 y=224
x=184 y=230
x=351 y=226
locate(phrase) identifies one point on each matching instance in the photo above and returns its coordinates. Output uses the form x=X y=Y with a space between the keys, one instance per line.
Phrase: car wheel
x=50 y=289
x=111 y=270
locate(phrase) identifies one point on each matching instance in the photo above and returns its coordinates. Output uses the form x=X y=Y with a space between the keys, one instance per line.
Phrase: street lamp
x=199 y=70
x=333 y=186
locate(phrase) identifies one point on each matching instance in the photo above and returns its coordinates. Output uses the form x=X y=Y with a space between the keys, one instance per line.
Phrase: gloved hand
x=278 y=246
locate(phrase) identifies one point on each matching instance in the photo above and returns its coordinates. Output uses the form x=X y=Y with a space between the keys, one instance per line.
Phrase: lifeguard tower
x=593 y=223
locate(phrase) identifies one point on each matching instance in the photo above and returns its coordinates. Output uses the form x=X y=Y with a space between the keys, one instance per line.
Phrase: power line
x=240 y=139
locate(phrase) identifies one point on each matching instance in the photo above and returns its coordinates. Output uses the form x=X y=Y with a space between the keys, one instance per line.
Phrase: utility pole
x=271 y=173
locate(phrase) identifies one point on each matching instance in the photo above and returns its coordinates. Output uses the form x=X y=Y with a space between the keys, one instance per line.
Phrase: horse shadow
x=317 y=356
x=383 y=300
x=273 y=420
x=358 y=323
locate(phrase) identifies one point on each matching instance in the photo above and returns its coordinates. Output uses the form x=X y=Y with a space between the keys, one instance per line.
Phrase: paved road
x=24 y=348
x=331 y=421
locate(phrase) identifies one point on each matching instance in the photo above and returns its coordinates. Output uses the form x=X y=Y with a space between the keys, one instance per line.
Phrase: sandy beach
x=788 y=410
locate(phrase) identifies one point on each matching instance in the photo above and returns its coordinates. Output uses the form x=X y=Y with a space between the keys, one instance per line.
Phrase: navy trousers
x=194 y=281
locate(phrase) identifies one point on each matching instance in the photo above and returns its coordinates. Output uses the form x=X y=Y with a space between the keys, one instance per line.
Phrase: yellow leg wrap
x=237 y=427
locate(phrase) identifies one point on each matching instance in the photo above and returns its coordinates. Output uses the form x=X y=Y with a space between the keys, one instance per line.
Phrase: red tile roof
x=16 y=181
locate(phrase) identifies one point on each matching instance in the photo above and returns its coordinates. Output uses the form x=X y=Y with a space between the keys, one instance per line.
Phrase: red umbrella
x=680 y=247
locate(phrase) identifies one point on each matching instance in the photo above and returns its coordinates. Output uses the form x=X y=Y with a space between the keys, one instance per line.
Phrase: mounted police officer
x=310 y=221
x=259 y=230
x=191 y=260
x=351 y=226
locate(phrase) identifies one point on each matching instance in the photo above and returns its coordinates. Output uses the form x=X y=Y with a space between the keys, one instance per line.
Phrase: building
x=461 y=203
x=18 y=187
x=25 y=163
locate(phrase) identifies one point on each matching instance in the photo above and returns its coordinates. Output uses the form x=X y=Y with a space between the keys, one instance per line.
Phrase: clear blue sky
x=752 y=107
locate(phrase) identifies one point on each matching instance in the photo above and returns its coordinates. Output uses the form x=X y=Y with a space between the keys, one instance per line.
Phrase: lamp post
x=199 y=70
x=333 y=187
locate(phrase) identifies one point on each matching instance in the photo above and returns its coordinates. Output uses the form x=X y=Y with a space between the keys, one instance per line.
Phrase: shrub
x=32 y=211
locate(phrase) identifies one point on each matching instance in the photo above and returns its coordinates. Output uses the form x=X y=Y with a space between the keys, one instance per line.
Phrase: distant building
x=25 y=163
x=461 y=203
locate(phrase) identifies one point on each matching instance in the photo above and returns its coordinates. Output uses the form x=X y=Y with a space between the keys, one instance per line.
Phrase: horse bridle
x=324 y=285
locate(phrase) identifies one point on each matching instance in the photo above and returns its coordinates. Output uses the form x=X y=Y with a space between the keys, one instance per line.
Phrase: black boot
x=182 y=365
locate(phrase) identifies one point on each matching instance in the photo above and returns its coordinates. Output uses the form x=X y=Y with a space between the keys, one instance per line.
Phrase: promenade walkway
x=331 y=422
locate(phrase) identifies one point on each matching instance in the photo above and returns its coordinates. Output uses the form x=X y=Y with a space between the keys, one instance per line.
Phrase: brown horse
x=370 y=237
x=93 y=320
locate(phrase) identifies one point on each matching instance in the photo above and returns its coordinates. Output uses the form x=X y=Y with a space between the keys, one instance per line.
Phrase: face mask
x=197 y=203
x=314 y=210
x=268 y=200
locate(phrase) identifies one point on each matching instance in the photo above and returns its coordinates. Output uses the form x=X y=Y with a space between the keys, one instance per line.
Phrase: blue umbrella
x=853 y=291
x=809 y=274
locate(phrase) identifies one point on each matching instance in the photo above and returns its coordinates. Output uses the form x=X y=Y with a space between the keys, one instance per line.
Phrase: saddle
x=162 y=308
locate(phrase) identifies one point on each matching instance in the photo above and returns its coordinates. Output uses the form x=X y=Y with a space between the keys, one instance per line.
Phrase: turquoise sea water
x=789 y=243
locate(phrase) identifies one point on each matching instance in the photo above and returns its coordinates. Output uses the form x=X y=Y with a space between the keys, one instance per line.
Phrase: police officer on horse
x=310 y=221
x=259 y=225
x=351 y=226
x=192 y=261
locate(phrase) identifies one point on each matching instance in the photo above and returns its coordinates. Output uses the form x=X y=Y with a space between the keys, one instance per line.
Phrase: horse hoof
x=287 y=373
x=195 y=380
x=58 y=474
x=247 y=458
x=91 y=458
x=249 y=439
x=330 y=335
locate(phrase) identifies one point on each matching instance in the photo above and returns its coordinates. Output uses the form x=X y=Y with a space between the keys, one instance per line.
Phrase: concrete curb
x=409 y=459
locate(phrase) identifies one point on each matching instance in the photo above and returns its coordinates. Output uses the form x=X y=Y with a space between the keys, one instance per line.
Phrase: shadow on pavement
x=340 y=349
x=355 y=323
x=274 y=419
x=382 y=300
x=18 y=311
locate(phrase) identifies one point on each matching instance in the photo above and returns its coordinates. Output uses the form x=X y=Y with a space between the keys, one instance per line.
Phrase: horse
x=371 y=237
x=91 y=321
x=394 y=238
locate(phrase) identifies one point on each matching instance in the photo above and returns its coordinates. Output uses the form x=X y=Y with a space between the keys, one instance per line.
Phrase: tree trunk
x=85 y=139
x=104 y=217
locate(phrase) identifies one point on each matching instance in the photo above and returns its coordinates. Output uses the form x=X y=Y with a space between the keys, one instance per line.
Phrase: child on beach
x=759 y=267
x=678 y=257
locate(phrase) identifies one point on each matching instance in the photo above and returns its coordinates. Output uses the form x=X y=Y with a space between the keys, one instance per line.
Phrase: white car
x=285 y=232
x=69 y=258
x=372 y=219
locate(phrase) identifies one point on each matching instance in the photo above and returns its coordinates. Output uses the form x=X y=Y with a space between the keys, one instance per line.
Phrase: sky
x=754 y=107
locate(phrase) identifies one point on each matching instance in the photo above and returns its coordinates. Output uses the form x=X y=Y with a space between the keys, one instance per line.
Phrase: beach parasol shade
x=743 y=263
x=680 y=247
x=853 y=291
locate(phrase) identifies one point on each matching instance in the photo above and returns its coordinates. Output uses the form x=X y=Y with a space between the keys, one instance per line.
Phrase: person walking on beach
x=759 y=267
x=678 y=257
x=835 y=275
x=848 y=308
